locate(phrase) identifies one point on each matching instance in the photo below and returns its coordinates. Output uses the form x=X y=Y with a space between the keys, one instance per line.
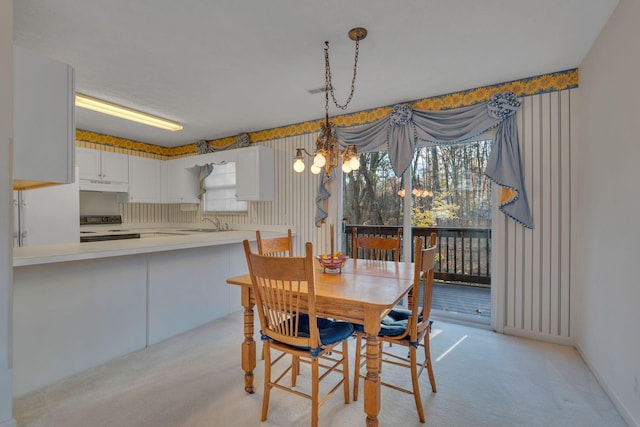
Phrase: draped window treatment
x=205 y=171
x=406 y=128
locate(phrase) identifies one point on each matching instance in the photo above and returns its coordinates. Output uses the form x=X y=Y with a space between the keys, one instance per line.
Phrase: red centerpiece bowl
x=332 y=264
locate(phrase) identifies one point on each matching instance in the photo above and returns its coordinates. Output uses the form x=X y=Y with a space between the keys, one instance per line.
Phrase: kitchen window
x=220 y=185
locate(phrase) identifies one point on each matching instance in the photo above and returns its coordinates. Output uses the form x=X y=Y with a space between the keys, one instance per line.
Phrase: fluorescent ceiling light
x=105 y=107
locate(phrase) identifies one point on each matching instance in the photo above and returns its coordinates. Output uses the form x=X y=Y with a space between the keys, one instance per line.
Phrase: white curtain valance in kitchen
x=406 y=128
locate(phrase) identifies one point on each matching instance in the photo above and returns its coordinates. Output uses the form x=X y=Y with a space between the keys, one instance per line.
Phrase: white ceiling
x=226 y=67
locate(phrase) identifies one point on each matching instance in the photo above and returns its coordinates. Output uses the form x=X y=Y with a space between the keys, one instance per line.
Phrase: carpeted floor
x=195 y=380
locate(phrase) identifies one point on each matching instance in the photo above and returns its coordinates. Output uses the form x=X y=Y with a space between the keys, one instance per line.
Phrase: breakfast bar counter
x=170 y=241
x=76 y=306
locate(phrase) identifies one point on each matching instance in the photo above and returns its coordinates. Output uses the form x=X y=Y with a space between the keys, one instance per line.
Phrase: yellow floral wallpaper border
x=524 y=87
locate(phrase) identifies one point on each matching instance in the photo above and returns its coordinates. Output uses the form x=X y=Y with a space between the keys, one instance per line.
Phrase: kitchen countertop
x=36 y=255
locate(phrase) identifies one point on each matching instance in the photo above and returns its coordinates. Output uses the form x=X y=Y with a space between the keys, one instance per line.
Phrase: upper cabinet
x=103 y=170
x=179 y=184
x=43 y=122
x=145 y=180
x=255 y=174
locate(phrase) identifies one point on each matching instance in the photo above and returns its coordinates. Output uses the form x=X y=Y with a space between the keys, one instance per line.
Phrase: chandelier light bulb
x=298 y=166
x=315 y=169
x=345 y=167
x=354 y=163
x=319 y=160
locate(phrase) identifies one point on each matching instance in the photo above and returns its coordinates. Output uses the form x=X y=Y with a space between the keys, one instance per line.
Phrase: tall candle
x=331 y=231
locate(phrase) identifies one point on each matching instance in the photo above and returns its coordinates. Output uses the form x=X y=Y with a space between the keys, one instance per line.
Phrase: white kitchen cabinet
x=145 y=180
x=102 y=170
x=180 y=185
x=255 y=174
x=43 y=120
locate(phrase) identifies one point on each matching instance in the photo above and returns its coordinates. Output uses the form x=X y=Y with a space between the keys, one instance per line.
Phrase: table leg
x=372 y=379
x=249 y=345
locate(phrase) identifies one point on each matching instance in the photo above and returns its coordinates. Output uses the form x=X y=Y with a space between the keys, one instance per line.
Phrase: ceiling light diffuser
x=84 y=101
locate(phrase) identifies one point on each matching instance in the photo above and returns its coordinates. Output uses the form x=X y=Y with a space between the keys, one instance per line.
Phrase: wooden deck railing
x=464 y=254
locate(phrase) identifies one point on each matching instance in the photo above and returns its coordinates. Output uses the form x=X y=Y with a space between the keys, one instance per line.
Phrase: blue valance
x=405 y=128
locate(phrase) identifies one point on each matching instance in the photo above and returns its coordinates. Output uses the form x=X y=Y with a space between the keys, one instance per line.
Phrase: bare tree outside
x=449 y=188
x=371 y=192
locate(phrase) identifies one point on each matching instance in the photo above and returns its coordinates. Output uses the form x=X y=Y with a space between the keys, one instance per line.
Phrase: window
x=221 y=190
x=449 y=188
x=371 y=192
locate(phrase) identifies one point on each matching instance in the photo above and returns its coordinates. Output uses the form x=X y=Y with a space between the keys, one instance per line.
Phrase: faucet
x=215 y=221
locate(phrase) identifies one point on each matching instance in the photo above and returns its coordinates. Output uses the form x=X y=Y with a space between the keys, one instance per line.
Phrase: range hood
x=103 y=186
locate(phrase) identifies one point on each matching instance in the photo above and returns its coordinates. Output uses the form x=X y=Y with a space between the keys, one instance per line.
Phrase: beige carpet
x=195 y=380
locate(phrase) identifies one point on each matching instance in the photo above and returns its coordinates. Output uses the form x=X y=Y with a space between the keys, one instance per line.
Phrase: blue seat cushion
x=394 y=323
x=330 y=331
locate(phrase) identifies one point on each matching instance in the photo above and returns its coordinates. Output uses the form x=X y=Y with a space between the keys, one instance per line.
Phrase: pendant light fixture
x=327 y=154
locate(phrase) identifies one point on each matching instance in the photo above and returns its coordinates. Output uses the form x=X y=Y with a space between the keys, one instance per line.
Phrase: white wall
x=605 y=214
x=6 y=209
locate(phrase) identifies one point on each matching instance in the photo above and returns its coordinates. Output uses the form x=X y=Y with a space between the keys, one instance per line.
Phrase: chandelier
x=327 y=154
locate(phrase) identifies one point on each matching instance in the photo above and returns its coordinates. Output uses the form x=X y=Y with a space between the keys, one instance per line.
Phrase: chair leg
x=345 y=369
x=427 y=358
x=414 y=380
x=356 y=373
x=295 y=369
x=315 y=391
x=267 y=379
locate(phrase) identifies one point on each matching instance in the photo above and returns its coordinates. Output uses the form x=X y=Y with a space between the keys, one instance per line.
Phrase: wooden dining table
x=363 y=292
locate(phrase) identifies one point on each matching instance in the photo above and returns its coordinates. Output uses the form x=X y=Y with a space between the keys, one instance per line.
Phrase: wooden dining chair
x=284 y=290
x=378 y=248
x=276 y=246
x=408 y=328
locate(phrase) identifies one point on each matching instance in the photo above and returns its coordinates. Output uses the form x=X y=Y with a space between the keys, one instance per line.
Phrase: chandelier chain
x=328 y=79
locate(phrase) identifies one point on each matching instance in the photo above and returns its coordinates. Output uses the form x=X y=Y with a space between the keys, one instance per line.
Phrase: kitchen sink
x=200 y=230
